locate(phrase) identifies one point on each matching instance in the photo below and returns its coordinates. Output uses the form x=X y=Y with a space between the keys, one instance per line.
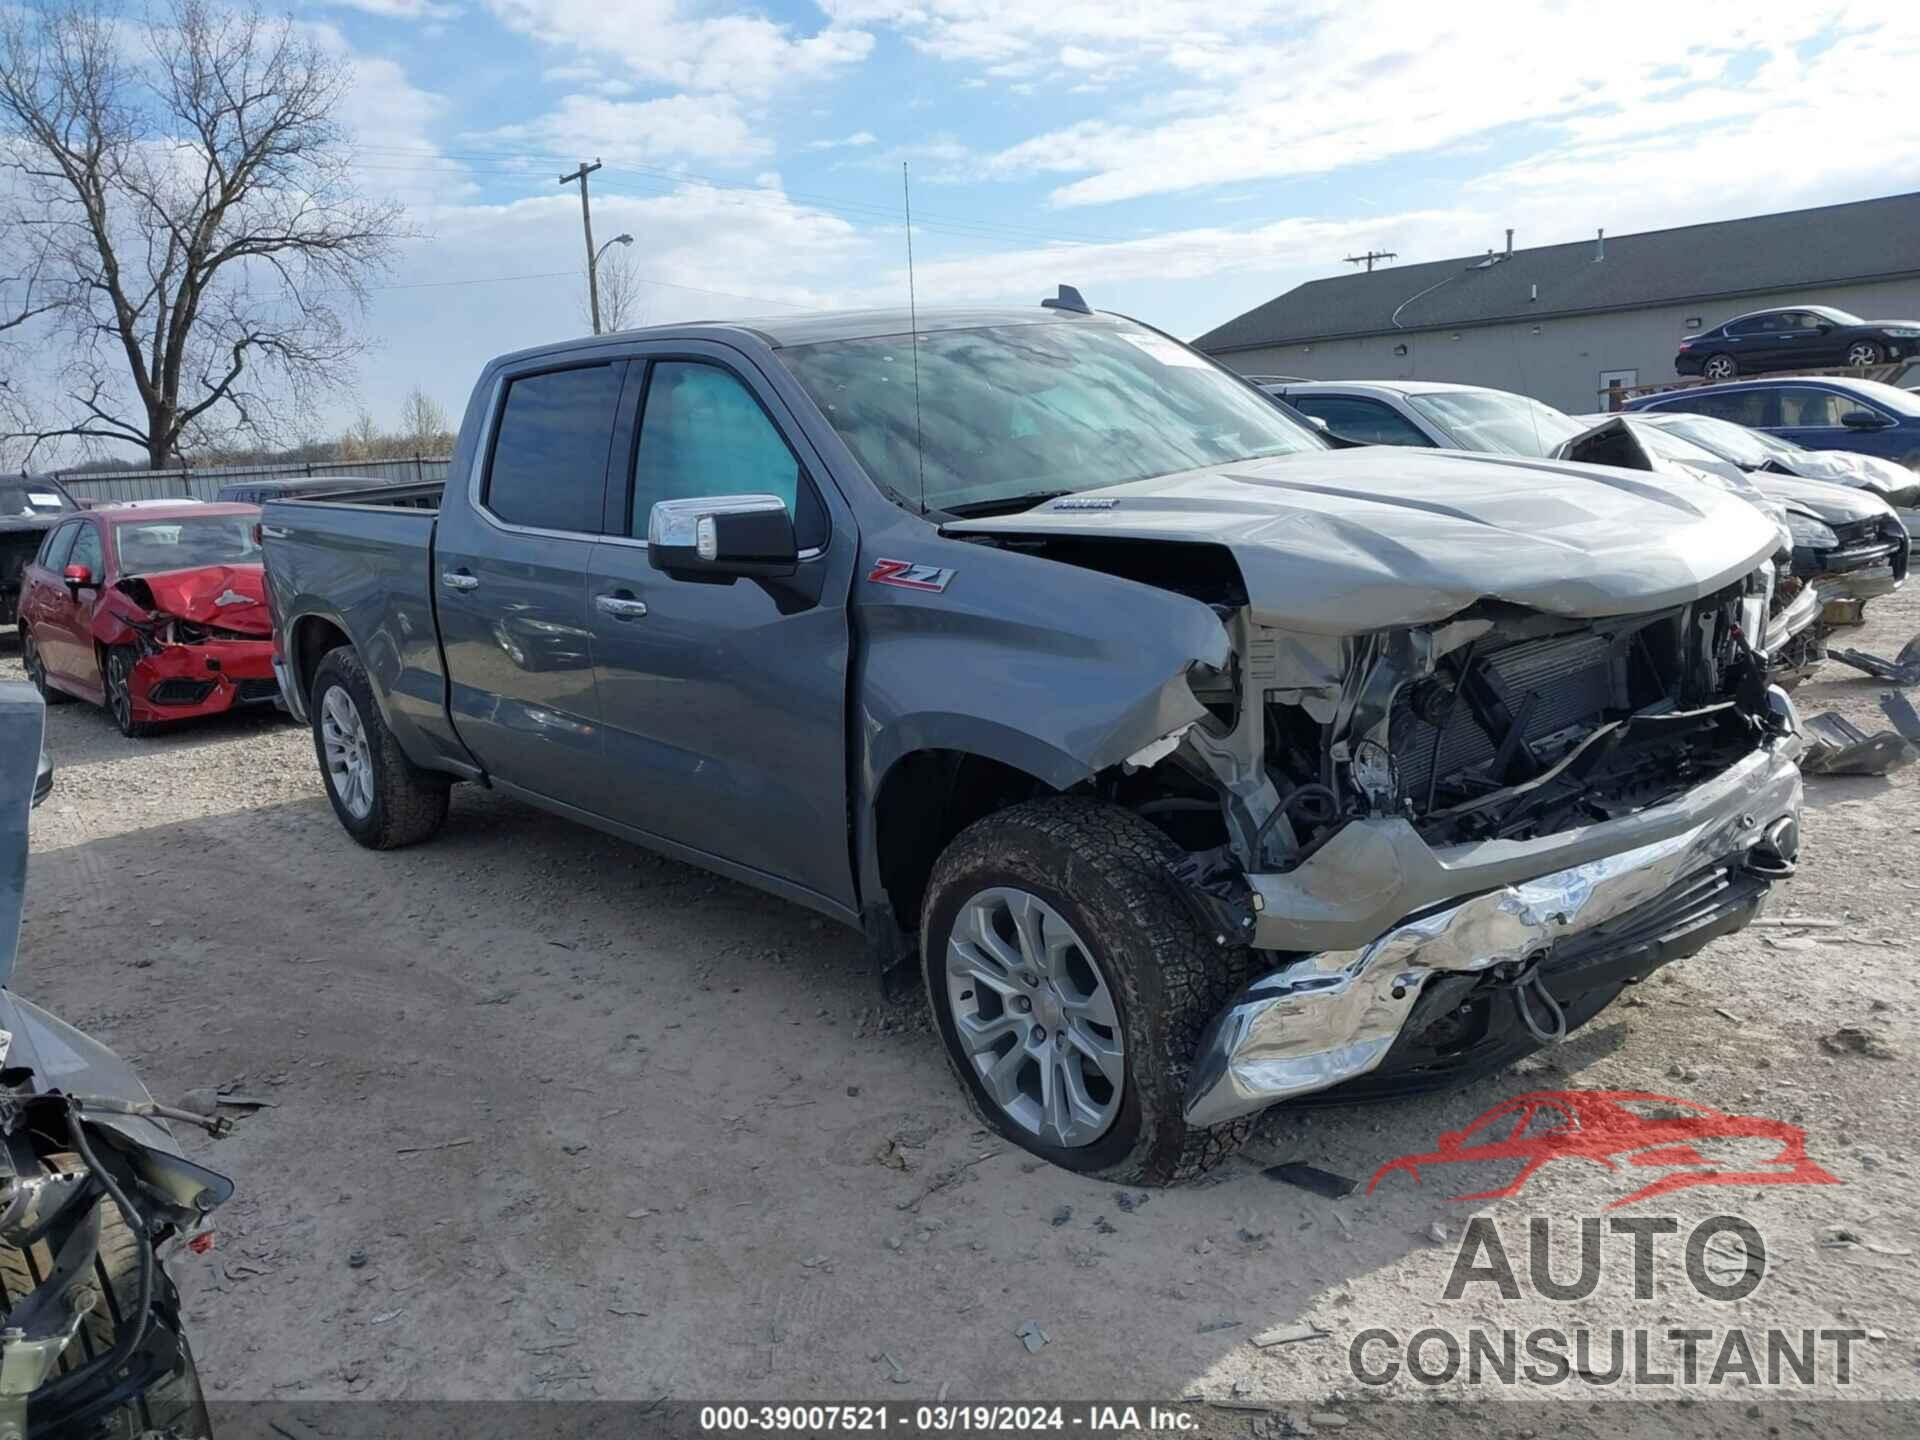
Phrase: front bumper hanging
x=1700 y=865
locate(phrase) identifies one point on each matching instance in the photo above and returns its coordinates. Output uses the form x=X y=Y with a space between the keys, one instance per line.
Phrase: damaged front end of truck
x=1465 y=838
x=1455 y=795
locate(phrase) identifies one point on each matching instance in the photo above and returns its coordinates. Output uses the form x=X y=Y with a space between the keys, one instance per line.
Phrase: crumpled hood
x=230 y=596
x=1346 y=541
x=1892 y=482
x=1822 y=499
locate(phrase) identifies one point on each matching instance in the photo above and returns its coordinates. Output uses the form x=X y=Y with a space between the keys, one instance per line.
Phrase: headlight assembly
x=1810 y=533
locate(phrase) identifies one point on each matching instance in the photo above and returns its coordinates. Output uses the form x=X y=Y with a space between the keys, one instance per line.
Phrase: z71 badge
x=909 y=576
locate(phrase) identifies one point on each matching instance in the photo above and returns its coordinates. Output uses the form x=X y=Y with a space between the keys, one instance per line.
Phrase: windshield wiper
x=1004 y=504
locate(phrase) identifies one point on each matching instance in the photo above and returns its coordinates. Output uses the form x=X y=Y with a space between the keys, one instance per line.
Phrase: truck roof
x=779 y=331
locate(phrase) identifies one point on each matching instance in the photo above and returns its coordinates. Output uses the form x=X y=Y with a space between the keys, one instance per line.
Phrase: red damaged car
x=156 y=611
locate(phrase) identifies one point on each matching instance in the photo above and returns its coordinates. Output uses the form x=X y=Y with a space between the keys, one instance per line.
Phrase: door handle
x=275 y=532
x=459 y=580
x=620 y=607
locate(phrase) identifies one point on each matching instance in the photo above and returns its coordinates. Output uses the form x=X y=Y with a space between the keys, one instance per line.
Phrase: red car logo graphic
x=1630 y=1128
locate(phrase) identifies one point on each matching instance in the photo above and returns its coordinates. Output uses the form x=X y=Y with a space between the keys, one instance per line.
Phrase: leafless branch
x=186 y=202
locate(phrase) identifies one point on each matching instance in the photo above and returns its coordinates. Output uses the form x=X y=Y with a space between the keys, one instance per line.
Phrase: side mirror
x=1864 y=420
x=723 y=536
x=78 y=578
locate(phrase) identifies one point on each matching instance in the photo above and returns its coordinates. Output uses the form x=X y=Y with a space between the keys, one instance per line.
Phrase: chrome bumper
x=1335 y=1014
x=1801 y=612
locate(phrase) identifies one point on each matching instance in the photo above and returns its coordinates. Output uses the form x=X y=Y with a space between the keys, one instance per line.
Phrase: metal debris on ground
x=1899 y=709
x=1031 y=1335
x=1311 y=1177
x=1837 y=746
x=1904 y=669
x=356 y=1258
x=1859 y=1040
x=1291 y=1334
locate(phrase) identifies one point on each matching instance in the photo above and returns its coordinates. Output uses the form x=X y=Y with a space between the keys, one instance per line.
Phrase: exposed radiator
x=1572 y=675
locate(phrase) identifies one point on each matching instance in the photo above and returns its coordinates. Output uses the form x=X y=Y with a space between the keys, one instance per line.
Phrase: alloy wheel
x=120 y=689
x=1863 y=353
x=30 y=662
x=1035 y=1017
x=343 y=736
x=1718 y=368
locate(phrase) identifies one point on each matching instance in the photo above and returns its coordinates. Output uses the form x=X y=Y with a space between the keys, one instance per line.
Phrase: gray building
x=1561 y=321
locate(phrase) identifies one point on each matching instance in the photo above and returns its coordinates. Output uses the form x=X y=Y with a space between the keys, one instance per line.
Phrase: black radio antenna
x=913 y=328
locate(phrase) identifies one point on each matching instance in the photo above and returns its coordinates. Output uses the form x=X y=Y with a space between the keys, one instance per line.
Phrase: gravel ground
x=595 y=1124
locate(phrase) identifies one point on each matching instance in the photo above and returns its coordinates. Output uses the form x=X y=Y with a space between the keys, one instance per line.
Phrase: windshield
x=183 y=544
x=19 y=498
x=1493 y=420
x=1044 y=409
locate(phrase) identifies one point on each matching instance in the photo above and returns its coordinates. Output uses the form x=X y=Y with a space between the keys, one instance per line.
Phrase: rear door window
x=549 y=467
x=1742 y=407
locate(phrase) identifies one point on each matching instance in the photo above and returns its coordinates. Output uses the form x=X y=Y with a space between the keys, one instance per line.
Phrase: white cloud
x=702 y=127
x=1287 y=88
x=855 y=141
x=400 y=9
x=665 y=43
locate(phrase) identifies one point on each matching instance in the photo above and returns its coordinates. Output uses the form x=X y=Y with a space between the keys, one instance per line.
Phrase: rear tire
x=382 y=798
x=1104 y=872
x=1720 y=367
x=173 y=1406
x=37 y=670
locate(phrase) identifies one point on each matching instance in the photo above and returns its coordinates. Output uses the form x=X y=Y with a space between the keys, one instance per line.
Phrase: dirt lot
x=606 y=1127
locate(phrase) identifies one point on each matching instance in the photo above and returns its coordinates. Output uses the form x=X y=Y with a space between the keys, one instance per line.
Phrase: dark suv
x=1827 y=413
x=1810 y=337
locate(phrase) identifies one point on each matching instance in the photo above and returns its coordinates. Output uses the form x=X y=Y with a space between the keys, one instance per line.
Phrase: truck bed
x=361 y=564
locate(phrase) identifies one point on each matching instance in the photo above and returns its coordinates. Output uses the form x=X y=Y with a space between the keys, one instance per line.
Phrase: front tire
x=119 y=687
x=1863 y=353
x=172 y=1406
x=381 y=798
x=1720 y=367
x=1059 y=916
x=36 y=668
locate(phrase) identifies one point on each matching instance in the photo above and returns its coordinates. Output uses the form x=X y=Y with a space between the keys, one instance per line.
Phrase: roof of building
x=1832 y=244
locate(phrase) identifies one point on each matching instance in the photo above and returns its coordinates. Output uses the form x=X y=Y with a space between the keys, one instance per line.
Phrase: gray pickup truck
x=1191 y=765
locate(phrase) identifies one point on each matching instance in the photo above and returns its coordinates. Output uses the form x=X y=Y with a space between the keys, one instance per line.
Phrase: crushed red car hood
x=230 y=596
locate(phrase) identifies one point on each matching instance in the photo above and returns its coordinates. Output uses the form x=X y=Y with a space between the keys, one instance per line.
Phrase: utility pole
x=1366 y=259
x=586 y=219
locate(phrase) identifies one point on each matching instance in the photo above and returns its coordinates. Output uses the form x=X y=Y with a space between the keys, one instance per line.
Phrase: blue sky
x=1178 y=160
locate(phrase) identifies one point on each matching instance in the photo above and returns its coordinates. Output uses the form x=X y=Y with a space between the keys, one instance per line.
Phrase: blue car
x=1815 y=414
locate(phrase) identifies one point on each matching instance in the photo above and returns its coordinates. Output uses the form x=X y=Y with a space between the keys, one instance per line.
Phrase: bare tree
x=186 y=193
x=622 y=296
x=423 y=423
